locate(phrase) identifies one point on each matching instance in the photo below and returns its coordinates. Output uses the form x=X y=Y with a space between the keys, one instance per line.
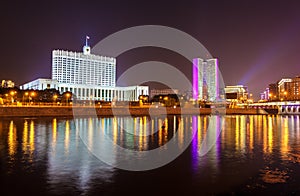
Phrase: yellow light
x=26 y=93
x=12 y=139
x=32 y=93
x=25 y=136
x=31 y=136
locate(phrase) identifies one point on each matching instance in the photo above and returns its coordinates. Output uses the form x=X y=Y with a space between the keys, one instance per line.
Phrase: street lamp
x=67 y=97
x=12 y=93
x=54 y=98
x=32 y=94
x=24 y=99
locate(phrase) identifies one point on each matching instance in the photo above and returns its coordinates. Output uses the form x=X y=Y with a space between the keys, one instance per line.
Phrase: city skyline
x=250 y=39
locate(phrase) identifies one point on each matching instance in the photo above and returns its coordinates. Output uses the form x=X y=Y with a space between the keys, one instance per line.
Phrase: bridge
x=283 y=107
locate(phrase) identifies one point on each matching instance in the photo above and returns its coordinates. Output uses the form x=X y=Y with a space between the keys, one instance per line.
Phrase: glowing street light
x=26 y=95
x=68 y=95
x=54 y=98
x=12 y=93
x=32 y=94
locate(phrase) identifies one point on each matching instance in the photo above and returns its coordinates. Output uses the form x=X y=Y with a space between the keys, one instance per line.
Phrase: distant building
x=286 y=89
x=238 y=93
x=7 y=84
x=264 y=96
x=293 y=90
x=163 y=92
x=283 y=88
x=41 y=84
x=273 y=92
x=205 y=79
x=87 y=76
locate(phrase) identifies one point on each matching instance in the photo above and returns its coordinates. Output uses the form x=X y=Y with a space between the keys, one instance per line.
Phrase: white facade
x=205 y=79
x=99 y=93
x=90 y=92
x=87 y=76
x=83 y=68
x=40 y=84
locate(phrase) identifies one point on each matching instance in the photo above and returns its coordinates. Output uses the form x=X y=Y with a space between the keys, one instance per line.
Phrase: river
x=179 y=155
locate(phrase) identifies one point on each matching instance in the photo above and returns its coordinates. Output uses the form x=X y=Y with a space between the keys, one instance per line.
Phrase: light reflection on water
x=53 y=147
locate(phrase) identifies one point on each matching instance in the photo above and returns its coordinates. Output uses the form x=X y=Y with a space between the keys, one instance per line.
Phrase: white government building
x=88 y=76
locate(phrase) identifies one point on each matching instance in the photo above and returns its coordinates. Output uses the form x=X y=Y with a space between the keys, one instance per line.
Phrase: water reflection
x=12 y=139
x=69 y=160
x=61 y=150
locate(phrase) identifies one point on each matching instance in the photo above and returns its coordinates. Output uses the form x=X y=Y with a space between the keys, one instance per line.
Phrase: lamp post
x=26 y=95
x=67 y=97
x=32 y=94
x=54 y=98
x=12 y=93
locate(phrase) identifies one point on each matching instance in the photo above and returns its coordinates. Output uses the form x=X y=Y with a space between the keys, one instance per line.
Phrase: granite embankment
x=38 y=111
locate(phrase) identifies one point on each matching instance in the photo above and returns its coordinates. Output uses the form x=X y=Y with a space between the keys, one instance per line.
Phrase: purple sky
x=257 y=42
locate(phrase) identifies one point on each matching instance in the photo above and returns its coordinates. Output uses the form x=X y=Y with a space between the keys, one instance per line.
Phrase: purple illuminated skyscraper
x=205 y=79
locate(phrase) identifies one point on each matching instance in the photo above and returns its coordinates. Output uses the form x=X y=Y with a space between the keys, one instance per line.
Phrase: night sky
x=257 y=42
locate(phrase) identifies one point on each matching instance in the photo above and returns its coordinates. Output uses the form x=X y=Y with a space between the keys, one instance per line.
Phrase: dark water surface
x=250 y=155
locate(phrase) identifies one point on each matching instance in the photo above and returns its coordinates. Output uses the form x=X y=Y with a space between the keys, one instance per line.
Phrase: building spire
x=86 y=47
x=86 y=40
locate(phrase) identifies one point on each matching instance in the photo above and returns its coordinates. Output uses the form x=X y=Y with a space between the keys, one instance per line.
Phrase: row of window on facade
x=102 y=94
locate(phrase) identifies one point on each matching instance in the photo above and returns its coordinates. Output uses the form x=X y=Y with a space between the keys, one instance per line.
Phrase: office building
x=83 y=68
x=205 y=79
x=154 y=92
x=283 y=86
x=87 y=76
x=237 y=93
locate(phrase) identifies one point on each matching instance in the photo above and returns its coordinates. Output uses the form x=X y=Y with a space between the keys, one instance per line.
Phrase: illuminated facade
x=237 y=93
x=283 y=86
x=163 y=92
x=87 y=76
x=293 y=91
x=205 y=79
x=83 y=68
x=7 y=84
x=41 y=84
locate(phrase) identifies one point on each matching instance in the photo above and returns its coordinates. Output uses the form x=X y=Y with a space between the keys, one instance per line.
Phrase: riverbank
x=37 y=111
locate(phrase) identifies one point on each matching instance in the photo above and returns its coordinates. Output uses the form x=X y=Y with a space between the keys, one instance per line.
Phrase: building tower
x=86 y=47
x=205 y=79
x=83 y=67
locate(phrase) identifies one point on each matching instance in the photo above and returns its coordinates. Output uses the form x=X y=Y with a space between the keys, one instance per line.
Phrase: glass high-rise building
x=205 y=79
